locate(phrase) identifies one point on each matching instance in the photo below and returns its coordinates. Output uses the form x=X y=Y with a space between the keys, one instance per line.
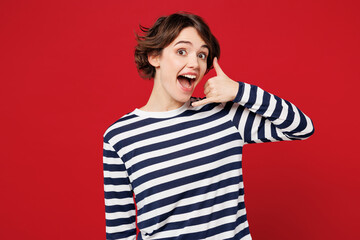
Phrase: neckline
x=165 y=114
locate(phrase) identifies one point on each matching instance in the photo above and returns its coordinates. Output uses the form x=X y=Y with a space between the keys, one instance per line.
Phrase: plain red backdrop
x=67 y=72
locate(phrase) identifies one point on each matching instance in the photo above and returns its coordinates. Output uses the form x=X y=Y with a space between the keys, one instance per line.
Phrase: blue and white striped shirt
x=184 y=166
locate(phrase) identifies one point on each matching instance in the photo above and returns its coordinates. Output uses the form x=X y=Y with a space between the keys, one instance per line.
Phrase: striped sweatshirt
x=183 y=167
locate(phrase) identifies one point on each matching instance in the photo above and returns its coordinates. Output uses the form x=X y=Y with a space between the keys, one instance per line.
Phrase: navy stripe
x=116 y=181
x=118 y=195
x=110 y=154
x=289 y=118
x=124 y=118
x=119 y=221
x=240 y=92
x=274 y=133
x=237 y=116
x=301 y=127
x=261 y=129
x=113 y=167
x=119 y=208
x=248 y=127
x=121 y=235
x=277 y=111
x=205 y=108
x=265 y=103
x=252 y=97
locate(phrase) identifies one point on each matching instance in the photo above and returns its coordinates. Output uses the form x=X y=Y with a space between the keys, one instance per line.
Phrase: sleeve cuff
x=240 y=92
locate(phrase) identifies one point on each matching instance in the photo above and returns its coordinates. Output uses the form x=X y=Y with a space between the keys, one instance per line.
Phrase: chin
x=183 y=99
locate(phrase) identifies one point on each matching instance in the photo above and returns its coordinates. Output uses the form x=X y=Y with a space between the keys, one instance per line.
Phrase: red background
x=67 y=72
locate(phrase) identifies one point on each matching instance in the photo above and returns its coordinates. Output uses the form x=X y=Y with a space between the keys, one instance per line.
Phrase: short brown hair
x=163 y=32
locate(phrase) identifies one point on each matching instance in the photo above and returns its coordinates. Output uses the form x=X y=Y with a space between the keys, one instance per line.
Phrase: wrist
x=240 y=91
x=235 y=90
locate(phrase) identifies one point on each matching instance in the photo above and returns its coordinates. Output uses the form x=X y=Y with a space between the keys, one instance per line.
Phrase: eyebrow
x=188 y=42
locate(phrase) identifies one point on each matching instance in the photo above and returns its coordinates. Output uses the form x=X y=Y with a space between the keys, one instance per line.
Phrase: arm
x=262 y=117
x=119 y=203
x=258 y=115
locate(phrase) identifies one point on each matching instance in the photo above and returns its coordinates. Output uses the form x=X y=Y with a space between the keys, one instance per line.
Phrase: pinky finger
x=202 y=102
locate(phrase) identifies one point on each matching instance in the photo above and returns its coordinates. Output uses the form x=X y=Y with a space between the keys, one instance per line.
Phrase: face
x=180 y=67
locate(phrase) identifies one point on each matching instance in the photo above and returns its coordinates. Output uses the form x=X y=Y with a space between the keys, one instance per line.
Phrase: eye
x=202 y=56
x=181 y=52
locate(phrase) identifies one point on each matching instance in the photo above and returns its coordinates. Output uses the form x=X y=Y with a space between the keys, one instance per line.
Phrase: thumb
x=217 y=67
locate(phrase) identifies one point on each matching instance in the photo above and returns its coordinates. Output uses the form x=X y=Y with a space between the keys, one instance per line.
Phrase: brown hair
x=163 y=32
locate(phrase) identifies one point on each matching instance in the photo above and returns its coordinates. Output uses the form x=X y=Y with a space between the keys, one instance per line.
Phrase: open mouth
x=187 y=81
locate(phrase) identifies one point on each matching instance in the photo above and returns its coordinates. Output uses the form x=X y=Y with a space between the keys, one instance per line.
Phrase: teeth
x=189 y=76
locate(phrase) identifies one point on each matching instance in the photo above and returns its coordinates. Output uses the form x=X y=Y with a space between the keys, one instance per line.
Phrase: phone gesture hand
x=219 y=88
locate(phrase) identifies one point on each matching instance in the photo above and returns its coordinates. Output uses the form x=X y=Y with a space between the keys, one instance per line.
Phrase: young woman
x=181 y=156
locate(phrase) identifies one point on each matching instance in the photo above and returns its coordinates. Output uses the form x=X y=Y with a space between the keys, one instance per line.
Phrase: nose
x=193 y=61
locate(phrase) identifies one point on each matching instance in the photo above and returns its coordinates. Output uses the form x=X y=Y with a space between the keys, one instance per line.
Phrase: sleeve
x=119 y=203
x=263 y=117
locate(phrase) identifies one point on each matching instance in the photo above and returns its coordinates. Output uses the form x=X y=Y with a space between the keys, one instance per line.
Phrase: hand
x=219 y=88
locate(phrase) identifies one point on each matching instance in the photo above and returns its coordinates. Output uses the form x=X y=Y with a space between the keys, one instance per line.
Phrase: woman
x=181 y=156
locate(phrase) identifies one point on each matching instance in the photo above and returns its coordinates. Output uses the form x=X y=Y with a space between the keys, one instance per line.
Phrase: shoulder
x=119 y=124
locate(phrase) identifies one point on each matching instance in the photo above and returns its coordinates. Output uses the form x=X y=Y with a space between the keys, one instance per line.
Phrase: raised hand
x=219 y=88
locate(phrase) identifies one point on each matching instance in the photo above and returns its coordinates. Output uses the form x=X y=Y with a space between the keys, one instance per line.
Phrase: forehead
x=190 y=36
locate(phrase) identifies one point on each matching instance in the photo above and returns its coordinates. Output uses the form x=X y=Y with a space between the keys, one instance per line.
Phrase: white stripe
x=114 y=174
x=309 y=128
x=117 y=188
x=246 y=94
x=119 y=215
x=281 y=135
x=255 y=127
x=271 y=107
x=108 y=147
x=118 y=201
x=112 y=161
x=242 y=121
x=233 y=110
x=259 y=100
x=122 y=228
x=283 y=114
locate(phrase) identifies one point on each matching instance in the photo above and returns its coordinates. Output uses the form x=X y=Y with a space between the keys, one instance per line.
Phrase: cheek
x=175 y=65
x=179 y=62
x=203 y=68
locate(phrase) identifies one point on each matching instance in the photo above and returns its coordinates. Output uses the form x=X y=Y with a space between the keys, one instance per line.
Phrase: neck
x=160 y=102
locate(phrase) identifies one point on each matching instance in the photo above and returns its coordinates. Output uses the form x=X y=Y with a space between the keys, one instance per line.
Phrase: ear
x=154 y=60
